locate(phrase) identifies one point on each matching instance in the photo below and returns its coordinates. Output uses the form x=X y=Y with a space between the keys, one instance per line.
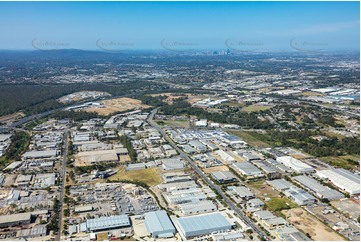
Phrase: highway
x=231 y=204
x=62 y=188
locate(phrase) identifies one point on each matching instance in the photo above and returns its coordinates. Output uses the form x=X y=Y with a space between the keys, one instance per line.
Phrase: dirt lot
x=11 y=117
x=309 y=224
x=216 y=168
x=150 y=176
x=117 y=105
x=190 y=97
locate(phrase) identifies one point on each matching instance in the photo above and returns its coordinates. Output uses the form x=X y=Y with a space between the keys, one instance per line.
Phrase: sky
x=180 y=25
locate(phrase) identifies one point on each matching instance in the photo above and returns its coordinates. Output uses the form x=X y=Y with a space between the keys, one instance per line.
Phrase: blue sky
x=205 y=25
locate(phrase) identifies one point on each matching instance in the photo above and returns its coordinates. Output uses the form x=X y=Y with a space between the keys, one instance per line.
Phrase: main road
x=62 y=187
x=231 y=204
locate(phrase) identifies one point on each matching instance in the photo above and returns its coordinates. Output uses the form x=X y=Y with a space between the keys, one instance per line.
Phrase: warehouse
x=247 y=169
x=83 y=208
x=233 y=141
x=321 y=191
x=343 y=179
x=167 y=187
x=280 y=184
x=226 y=158
x=202 y=224
x=243 y=192
x=198 y=207
x=18 y=219
x=295 y=164
x=159 y=225
x=106 y=223
x=300 y=196
x=40 y=154
x=223 y=176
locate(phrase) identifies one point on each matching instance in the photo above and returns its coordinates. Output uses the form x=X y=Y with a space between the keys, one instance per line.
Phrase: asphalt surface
x=231 y=204
x=62 y=188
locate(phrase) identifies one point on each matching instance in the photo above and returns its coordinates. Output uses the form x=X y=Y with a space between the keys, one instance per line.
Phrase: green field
x=150 y=176
x=177 y=123
x=279 y=203
x=345 y=161
x=252 y=138
x=255 y=108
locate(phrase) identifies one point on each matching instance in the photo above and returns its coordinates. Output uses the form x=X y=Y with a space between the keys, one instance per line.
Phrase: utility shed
x=159 y=225
x=202 y=224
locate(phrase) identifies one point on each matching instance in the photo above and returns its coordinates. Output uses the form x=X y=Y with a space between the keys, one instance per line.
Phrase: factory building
x=198 y=207
x=280 y=184
x=300 y=196
x=159 y=225
x=321 y=191
x=295 y=164
x=343 y=179
x=223 y=176
x=243 y=192
x=106 y=223
x=247 y=169
x=17 y=219
x=202 y=224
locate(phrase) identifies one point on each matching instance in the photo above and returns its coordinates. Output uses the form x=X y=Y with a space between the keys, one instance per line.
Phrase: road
x=62 y=188
x=231 y=204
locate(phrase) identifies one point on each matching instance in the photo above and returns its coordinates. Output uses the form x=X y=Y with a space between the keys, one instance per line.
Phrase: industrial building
x=300 y=196
x=202 y=224
x=223 y=176
x=159 y=225
x=17 y=219
x=295 y=164
x=280 y=184
x=343 y=179
x=243 y=192
x=198 y=207
x=106 y=223
x=247 y=169
x=35 y=154
x=321 y=191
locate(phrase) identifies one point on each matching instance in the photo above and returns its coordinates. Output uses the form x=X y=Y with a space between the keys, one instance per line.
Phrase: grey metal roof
x=108 y=222
x=200 y=223
x=280 y=184
x=158 y=221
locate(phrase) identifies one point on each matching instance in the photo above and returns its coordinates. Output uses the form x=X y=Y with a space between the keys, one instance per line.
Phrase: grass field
x=150 y=176
x=177 y=123
x=342 y=161
x=252 y=138
x=279 y=203
x=255 y=108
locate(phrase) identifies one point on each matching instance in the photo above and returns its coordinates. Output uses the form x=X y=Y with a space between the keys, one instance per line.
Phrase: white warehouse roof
x=294 y=164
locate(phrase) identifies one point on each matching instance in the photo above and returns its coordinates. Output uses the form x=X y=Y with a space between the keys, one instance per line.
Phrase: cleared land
x=255 y=108
x=177 y=123
x=150 y=176
x=252 y=138
x=309 y=224
x=216 y=168
x=117 y=105
x=11 y=117
x=309 y=94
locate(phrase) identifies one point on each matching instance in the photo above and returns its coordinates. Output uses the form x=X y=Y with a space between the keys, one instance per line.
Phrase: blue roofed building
x=202 y=224
x=159 y=225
